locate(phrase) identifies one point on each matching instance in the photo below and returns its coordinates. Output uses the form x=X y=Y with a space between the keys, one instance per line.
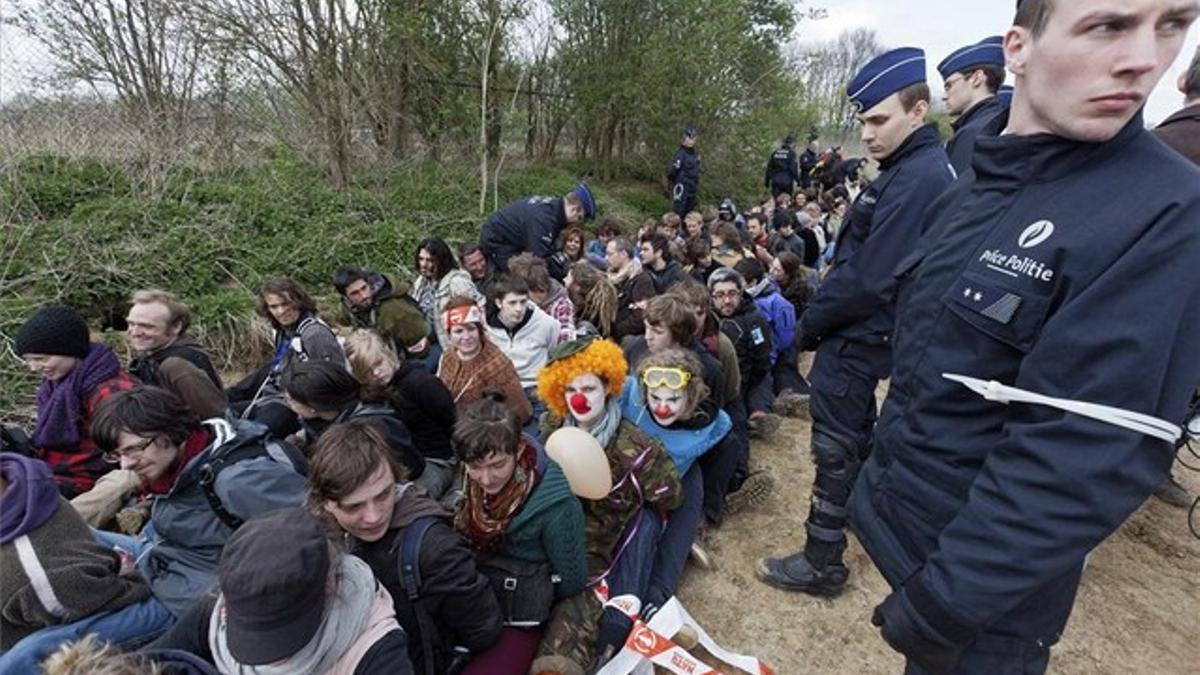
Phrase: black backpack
x=410 y=579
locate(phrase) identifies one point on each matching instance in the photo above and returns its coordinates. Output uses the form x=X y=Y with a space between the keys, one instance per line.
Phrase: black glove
x=808 y=343
x=901 y=629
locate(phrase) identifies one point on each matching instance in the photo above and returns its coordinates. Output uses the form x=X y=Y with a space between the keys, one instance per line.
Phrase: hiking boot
x=791 y=404
x=796 y=573
x=1171 y=492
x=763 y=425
x=754 y=490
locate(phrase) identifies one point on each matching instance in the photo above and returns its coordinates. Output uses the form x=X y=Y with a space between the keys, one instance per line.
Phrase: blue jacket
x=779 y=313
x=531 y=224
x=961 y=145
x=979 y=513
x=856 y=300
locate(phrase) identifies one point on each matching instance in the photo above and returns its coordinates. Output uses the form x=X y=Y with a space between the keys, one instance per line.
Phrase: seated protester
x=753 y=339
x=780 y=391
x=77 y=376
x=634 y=287
x=595 y=301
x=792 y=278
x=166 y=356
x=202 y=481
x=54 y=573
x=446 y=607
x=322 y=394
x=727 y=245
x=670 y=322
x=696 y=226
x=570 y=251
x=582 y=387
x=662 y=400
x=813 y=243
x=701 y=264
x=438 y=280
x=671 y=227
x=608 y=228
x=421 y=400
x=786 y=239
x=516 y=505
x=522 y=332
x=299 y=336
x=718 y=344
x=548 y=294
x=381 y=303
x=475 y=261
x=658 y=262
x=473 y=363
x=312 y=611
x=760 y=239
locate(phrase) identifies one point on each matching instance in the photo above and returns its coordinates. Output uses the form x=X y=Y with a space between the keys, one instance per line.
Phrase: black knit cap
x=53 y=329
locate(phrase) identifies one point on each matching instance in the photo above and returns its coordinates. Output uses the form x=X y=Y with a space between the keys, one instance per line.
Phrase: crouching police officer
x=853 y=314
x=1047 y=347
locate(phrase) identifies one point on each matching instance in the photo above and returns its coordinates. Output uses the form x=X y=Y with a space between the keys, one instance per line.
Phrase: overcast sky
x=941 y=26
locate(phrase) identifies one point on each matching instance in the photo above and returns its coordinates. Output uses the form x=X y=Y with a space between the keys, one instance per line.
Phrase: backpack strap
x=410 y=579
x=210 y=470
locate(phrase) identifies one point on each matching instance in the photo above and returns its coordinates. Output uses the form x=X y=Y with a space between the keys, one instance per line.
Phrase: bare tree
x=144 y=52
x=827 y=68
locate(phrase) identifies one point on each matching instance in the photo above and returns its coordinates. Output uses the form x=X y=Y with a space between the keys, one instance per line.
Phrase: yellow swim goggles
x=671 y=378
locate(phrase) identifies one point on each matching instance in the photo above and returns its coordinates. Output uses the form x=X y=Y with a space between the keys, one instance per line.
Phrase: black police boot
x=822 y=574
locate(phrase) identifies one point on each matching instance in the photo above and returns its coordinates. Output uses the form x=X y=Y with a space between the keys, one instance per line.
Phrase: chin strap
x=1127 y=419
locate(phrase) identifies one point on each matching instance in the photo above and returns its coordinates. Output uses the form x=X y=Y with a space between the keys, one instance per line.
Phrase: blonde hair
x=89 y=656
x=364 y=350
x=682 y=359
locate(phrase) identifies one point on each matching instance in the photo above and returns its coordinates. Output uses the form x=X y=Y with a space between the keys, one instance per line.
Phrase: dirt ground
x=1138 y=610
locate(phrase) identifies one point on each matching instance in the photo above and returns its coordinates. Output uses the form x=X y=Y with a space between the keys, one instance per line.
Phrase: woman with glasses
x=582 y=385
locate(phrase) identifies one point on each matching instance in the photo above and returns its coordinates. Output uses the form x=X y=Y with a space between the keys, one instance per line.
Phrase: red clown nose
x=579 y=404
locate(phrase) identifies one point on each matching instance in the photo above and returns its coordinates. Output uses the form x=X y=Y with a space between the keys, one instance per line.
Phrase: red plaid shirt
x=76 y=468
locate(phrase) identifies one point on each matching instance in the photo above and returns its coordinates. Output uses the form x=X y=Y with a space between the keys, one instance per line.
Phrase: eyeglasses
x=114 y=456
x=671 y=378
x=724 y=295
x=950 y=81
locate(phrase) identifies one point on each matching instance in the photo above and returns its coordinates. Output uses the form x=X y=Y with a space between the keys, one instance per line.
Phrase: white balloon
x=582 y=460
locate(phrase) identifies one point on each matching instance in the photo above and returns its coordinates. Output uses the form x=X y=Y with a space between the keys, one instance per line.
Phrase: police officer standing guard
x=683 y=174
x=783 y=169
x=850 y=321
x=1047 y=347
x=971 y=76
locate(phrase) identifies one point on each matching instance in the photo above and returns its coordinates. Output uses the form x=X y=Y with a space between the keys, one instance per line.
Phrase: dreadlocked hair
x=597 y=298
x=603 y=358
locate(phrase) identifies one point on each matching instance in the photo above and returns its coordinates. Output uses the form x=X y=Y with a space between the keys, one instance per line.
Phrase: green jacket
x=550 y=527
x=392 y=313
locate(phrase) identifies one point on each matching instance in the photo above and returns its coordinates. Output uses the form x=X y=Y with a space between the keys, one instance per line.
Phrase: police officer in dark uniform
x=971 y=76
x=808 y=160
x=1047 y=345
x=783 y=168
x=850 y=320
x=533 y=224
x=1004 y=95
x=683 y=174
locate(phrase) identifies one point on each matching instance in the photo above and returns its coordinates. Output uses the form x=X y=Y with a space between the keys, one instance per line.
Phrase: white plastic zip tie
x=1127 y=419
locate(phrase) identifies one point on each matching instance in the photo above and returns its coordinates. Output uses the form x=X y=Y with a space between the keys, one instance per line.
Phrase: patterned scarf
x=484 y=518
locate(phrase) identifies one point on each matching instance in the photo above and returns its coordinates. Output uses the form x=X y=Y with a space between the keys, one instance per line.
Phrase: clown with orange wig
x=581 y=385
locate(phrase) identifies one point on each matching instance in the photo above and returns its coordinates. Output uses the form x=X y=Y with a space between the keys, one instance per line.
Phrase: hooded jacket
x=391 y=313
x=527 y=344
x=779 y=312
x=456 y=596
x=752 y=339
x=668 y=276
x=188 y=536
x=980 y=514
x=51 y=569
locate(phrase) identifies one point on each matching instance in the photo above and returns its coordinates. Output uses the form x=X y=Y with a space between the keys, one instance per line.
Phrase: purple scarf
x=60 y=404
x=30 y=495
